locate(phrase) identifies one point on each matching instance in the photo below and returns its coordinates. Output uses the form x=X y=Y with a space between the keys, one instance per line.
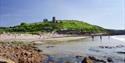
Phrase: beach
x=38 y=38
x=73 y=49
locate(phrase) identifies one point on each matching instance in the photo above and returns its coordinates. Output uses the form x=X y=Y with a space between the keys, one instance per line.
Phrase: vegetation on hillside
x=49 y=26
x=79 y=25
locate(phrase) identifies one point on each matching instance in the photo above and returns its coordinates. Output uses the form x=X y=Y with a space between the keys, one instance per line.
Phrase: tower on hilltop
x=54 y=19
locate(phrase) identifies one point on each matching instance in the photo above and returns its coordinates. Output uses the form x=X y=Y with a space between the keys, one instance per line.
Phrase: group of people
x=100 y=36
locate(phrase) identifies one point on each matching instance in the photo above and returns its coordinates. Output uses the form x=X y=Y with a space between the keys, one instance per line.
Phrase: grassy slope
x=69 y=24
x=81 y=25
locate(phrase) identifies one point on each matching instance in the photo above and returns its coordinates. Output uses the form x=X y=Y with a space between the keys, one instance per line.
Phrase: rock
x=96 y=60
x=101 y=47
x=87 y=60
x=119 y=46
x=49 y=46
x=109 y=59
x=91 y=57
x=121 y=52
x=51 y=61
x=21 y=53
x=68 y=62
x=78 y=56
x=3 y=62
x=108 y=47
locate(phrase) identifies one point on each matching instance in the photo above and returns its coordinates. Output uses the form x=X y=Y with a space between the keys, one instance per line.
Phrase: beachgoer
x=92 y=37
x=109 y=36
x=100 y=37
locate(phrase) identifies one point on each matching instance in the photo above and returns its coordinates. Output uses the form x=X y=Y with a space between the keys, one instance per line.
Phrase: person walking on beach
x=108 y=36
x=40 y=34
x=15 y=35
x=100 y=37
x=92 y=37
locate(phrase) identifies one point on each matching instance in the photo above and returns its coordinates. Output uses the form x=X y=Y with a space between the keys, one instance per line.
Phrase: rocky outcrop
x=92 y=59
x=87 y=60
x=21 y=53
x=3 y=62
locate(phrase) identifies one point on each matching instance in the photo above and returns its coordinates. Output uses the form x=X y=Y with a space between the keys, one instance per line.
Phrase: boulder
x=51 y=61
x=3 y=62
x=109 y=59
x=87 y=60
x=96 y=59
x=68 y=62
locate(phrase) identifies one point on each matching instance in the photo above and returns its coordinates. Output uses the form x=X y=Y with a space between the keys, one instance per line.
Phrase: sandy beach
x=37 y=38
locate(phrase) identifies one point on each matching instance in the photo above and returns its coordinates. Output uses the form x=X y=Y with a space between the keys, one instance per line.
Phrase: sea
x=74 y=51
x=119 y=37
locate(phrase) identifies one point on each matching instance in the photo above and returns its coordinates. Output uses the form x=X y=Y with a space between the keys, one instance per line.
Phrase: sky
x=106 y=13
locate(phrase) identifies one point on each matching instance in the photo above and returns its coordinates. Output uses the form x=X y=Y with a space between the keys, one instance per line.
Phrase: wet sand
x=66 y=38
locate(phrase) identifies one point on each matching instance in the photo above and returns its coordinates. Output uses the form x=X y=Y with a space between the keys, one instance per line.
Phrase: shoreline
x=37 y=39
x=63 y=39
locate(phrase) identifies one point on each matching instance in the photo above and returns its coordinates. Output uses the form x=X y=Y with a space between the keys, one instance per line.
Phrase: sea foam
x=120 y=38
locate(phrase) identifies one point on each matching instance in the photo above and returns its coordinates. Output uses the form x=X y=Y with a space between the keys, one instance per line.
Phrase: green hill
x=49 y=26
x=75 y=24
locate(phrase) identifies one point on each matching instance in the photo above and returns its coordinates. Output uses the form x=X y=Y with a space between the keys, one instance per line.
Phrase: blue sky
x=105 y=13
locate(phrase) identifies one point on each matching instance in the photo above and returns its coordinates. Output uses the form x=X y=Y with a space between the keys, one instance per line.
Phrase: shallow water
x=75 y=51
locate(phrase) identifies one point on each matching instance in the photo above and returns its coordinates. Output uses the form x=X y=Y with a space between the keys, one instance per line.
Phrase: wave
x=120 y=38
